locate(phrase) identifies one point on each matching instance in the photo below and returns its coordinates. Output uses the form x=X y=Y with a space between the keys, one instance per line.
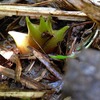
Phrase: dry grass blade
x=36 y=12
x=22 y=94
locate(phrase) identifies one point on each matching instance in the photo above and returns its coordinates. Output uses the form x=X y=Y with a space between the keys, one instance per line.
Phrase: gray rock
x=82 y=80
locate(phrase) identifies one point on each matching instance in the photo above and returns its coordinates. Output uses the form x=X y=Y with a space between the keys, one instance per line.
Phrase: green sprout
x=41 y=37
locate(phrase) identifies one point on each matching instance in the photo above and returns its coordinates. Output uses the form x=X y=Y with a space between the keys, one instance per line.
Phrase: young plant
x=41 y=37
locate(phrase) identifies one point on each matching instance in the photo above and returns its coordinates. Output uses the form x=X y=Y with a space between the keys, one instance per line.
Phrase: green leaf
x=49 y=24
x=61 y=57
x=42 y=26
x=34 y=33
x=59 y=34
x=57 y=37
x=32 y=29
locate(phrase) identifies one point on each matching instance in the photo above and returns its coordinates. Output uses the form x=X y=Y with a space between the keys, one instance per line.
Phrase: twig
x=26 y=81
x=36 y=12
x=72 y=46
x=14 y=58
x=49 y=65
x=42 y=3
